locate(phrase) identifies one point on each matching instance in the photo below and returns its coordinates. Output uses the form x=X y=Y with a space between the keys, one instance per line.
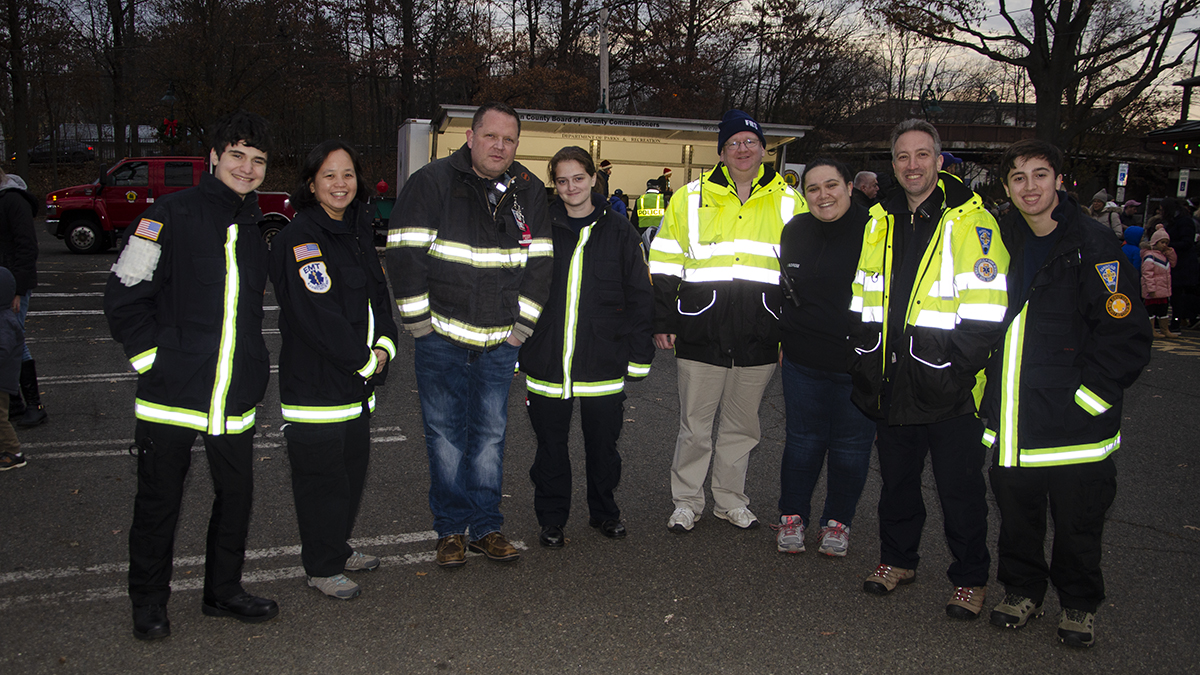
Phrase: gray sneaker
x=835 y=539
x=789 y=534
x=337 y=586
x=359 y=562
x=1015 y=611
x=1077 y=628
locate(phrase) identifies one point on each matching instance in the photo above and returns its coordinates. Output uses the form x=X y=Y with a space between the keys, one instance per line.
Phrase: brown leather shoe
x=495 y=547
x=452 y=551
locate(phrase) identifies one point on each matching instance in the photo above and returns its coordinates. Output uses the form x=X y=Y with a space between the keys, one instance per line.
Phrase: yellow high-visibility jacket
x=954 y=317
x=715 y=268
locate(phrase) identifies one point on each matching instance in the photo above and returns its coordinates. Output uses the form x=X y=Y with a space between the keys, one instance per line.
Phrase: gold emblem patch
x=1118 y=305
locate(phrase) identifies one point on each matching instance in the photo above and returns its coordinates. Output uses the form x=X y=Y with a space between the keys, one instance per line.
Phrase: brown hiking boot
x=886 y=578
x=452 y=551
x=495 y=547
x=966 y=603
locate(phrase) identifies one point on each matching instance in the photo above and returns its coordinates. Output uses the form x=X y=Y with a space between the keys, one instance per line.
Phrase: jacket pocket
x=207 y=298
x=709 y=221
x=1049 y=391
x=696 y=313
x=609 y=291
x=866 y=367
x=933 y=382
x=354 y=297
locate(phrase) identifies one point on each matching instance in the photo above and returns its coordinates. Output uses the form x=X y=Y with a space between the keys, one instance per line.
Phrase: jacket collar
x=245 y=209
x=343 y=226
x=950 y=193
x=558 y=210
x=720 y=176
x=1067 y=214
x=461 y=161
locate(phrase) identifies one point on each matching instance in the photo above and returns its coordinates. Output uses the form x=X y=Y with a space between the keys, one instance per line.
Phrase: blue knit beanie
x=736 y=121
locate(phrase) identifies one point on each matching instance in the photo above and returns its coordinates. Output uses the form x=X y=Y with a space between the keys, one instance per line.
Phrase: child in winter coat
x=12 y=338
x=1156 y=281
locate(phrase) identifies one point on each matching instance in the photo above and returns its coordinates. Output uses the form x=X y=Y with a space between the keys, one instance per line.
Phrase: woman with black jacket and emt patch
x=338 y=340
x=594 y=333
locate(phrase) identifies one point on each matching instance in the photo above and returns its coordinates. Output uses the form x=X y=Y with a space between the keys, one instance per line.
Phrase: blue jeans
x=820 y=418
x=464 y=402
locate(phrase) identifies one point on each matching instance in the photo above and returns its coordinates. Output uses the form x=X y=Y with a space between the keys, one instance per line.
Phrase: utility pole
x=603 y=108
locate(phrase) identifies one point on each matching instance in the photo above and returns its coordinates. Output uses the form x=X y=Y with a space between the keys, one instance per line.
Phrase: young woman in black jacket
x=592 y=335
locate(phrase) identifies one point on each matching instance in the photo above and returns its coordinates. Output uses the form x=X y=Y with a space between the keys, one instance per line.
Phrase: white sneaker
x=789 y=534
x=682 y=520
x=741 y=517
x=835 y=539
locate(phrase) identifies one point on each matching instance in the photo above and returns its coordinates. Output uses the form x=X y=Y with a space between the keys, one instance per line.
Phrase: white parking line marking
x=67 y=295
x=197 y=560
x=94 y=338
x=123 y=443
x=178 y=585
x=93 y=312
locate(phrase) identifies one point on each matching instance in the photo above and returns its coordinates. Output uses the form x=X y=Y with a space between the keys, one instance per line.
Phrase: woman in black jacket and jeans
x=819 y=254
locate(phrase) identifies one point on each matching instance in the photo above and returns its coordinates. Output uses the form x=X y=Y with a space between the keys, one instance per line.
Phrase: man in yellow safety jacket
x=928 y=305
x=715 y=269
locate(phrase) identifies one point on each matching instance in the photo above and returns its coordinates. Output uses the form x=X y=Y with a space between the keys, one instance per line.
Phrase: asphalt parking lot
x=717 y=600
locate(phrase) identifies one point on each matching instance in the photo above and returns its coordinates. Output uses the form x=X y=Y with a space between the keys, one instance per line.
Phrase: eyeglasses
x=749 y=144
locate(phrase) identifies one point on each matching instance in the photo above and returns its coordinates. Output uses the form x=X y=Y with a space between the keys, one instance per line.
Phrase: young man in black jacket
x=1077 y=337
x=185 y=303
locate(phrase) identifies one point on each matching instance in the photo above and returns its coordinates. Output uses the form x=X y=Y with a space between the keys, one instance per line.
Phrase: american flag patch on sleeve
x=305 y=251
x=148 y=229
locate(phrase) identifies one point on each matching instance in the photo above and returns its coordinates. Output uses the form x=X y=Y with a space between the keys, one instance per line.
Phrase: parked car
x=68 y=151
x=90 y=218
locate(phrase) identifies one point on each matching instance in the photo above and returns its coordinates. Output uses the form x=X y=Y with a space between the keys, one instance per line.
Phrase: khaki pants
x=702 y=389
x=8 y=435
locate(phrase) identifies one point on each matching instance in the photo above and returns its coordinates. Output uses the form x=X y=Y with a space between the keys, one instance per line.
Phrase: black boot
x=35 y=413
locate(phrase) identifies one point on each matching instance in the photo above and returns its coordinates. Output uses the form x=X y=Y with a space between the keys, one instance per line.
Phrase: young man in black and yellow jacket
x=1077 y=337
x=185 y=302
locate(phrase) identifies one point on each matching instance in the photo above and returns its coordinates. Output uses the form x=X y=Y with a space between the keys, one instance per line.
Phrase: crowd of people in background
x=912 y=319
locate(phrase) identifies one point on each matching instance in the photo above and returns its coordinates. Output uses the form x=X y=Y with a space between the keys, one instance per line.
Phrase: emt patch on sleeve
x=985 y=238
x=985 y=268
x=148 y=229
x=1118 y=305
x=316 y=277
x=305 y=251
x=1108 y=274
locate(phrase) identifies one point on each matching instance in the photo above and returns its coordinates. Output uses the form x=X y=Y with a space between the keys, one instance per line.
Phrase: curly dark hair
x=240 y=126
x=302 y=195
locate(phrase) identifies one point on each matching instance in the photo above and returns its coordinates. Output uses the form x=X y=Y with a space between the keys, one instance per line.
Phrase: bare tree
x=1086 y=60
x=15 y=16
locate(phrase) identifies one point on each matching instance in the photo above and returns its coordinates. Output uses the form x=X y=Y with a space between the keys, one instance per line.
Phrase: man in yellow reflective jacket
x=928 y=305
x=717 y=302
